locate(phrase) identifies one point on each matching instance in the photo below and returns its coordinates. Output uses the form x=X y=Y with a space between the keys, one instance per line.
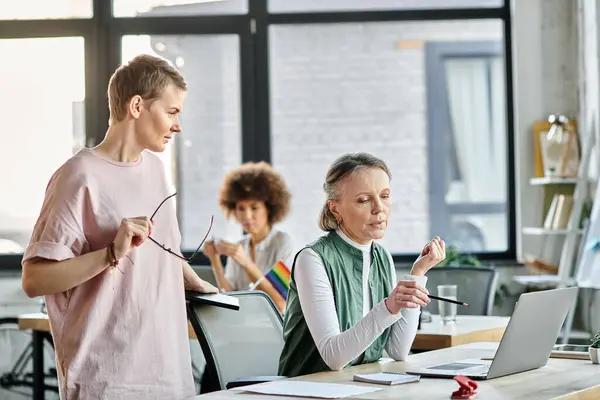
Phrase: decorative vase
x=594 y=354
x=560 y=150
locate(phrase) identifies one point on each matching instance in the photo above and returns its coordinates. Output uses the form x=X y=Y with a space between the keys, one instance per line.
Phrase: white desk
x=560 y=377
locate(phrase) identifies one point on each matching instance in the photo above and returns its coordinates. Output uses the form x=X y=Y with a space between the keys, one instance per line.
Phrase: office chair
x=476 y=286
x=241 y=347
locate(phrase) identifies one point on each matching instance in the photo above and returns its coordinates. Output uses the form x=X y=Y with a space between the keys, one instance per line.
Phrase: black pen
x=460 y=303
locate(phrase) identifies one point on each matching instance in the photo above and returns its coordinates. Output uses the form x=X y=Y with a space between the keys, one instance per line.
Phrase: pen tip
x=465 y=304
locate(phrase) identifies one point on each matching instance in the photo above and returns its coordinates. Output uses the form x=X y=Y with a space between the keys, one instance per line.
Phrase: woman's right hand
x=209 y=249
x=407 y=294
x=132 y=232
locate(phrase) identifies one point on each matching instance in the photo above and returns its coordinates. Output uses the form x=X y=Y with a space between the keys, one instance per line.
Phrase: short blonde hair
x=146 y=76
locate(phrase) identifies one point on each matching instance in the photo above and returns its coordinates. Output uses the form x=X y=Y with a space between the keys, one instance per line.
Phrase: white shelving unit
x=552 y=181
x=534 y=230
x=567 y=266
x=540 y=281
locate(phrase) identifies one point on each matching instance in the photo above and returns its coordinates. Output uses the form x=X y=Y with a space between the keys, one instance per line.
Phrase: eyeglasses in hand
x=168 y=249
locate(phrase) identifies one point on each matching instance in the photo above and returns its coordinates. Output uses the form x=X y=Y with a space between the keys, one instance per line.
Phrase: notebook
x=387 y=378
x=217 y=299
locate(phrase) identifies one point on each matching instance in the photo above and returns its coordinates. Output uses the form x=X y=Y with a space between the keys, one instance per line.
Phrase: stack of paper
x=387 y=378
x=307 y=389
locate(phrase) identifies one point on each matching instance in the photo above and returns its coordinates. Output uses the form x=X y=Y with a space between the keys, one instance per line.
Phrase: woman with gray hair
x=345 y=305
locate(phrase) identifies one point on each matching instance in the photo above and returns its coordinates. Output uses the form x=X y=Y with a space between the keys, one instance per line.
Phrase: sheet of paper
x=386 y=378
x=308 y=389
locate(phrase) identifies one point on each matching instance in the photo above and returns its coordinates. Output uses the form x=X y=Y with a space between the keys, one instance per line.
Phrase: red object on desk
x=467 y=388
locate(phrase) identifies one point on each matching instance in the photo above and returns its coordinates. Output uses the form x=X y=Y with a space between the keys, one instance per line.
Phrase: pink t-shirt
x=117 y=336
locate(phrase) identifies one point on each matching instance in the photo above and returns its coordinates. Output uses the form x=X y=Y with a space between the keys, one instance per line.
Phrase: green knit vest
x=344 y=266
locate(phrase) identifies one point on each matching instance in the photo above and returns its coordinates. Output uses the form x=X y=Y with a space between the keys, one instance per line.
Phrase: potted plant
x=595 y=347
x=455 y=258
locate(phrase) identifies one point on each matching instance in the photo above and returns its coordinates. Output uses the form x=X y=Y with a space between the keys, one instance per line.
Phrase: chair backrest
x=238 y=343
x=476 y=286
x=206 y=273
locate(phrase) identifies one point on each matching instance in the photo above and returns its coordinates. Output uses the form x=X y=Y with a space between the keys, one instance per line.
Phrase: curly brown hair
x=256 y=181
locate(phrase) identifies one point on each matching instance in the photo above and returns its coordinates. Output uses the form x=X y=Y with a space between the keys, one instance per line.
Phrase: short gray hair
x=341 y=168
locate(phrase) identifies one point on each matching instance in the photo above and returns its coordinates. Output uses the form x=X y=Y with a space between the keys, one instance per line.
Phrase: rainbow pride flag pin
x=279 y=276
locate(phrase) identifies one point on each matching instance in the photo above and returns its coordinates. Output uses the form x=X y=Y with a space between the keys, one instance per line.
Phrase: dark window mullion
x=19 y=29
x=184 y=25
x=387 y=15
x=511 y=181
x=262 y=113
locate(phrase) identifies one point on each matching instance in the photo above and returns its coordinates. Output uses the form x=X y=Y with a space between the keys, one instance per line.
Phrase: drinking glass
x=447 y=310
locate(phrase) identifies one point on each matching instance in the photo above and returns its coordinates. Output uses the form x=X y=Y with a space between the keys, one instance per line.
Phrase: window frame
x=439 y=118
x=102 y=35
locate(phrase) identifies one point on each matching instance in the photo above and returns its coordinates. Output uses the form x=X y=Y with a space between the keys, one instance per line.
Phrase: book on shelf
x=551 y=211
x=559 y=212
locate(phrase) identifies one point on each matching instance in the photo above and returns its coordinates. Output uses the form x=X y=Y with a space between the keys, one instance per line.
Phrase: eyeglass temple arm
x=167 y=249
x=212 y=217
x=160 y=205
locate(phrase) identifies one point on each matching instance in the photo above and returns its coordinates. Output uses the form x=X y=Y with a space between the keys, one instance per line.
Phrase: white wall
x=588 y=14
x=545 y=72
x=589 y=95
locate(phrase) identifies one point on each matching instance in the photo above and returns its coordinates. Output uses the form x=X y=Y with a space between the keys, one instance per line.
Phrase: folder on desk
x=217 y=299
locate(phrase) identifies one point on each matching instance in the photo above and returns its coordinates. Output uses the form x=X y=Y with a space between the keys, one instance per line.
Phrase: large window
x=363 y=87
x=422 y=84
x=141 y=8
x=210 y=142
x=466 y=105
x=44 y=9
x=43 y=110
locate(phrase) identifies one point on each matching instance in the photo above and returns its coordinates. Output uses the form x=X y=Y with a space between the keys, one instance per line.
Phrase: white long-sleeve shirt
x=316 y=299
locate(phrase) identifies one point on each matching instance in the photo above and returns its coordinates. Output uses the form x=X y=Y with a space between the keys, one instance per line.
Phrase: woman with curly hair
x=257 y=197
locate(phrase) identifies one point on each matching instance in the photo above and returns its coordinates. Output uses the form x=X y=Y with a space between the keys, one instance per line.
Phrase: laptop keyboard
x=463 y=368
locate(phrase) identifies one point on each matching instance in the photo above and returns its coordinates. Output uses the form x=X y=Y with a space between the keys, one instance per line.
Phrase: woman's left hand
x=202 y=286
x=235 y=251
x=432 y=254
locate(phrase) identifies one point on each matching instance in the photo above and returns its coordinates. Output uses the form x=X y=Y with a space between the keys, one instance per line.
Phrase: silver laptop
x=527 y=341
